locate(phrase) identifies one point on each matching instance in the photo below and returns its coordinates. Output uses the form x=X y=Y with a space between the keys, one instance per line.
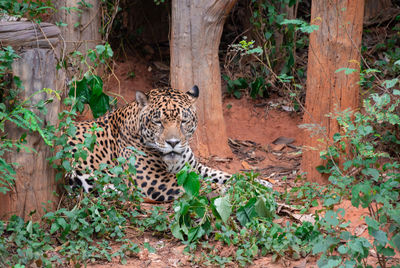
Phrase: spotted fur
x=160 y=124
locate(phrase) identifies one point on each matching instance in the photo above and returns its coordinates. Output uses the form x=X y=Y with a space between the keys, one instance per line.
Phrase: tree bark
x=195 y=36
x=82 y=31
x=35 y=179
x=336 y=44
x=375 y=7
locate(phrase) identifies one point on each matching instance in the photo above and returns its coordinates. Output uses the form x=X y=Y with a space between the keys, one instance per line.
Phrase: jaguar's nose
x=173 y=142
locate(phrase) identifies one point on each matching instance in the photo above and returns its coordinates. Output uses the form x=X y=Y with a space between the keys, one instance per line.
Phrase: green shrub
x=241 y=216
x=369 y=177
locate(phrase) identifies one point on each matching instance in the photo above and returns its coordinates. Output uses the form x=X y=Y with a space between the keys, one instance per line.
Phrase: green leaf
x=342 y=249
x=80 y=89
x=92 y=55
x=337 y=137
x=332 y=200
x=350 y=264
x=395 y=215
x=54 y=228
x=372 y=223
x=388 y=252
x=96 y=84
x=261 y=208
x=62 y=222
x=329 y=262
x=240 y=83
x=29 y=227
x=237 y=94
x=365 y=130
x=80 y=105
x=257 y=87
x=294 y=22
x=66 y=165
x=149 y=248
x=356 y=198
x=314 y=203
x=99 y=104
x=224 y=207
x=89 y=90
x=199 y=207
x=109 y=51
x=246 y=213
x=71 y=131
x=192 y=184
x=131 y=165
x=345 y=235
x=182 y=175
x=324 y=243
x=390 y=83
x=100 y=49
x=195 y=233
x=346 y=70
x=309 y=28
x=356 y=246
x=380 y=237
x=257 y=50
x=396 y=241
x=331 y=218
x=371 y=172
x=322 y=169
x=90 y=141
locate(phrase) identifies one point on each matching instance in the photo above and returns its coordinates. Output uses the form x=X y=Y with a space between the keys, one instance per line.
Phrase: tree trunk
x=195 y=36
x=336 y=44
x=375 y=7
x=35 y=179
x=82 y=31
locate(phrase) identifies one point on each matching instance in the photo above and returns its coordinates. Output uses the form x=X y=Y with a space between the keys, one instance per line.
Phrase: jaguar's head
x=167 y=120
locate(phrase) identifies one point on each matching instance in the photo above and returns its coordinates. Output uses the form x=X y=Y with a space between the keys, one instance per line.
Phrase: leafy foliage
x=89 y=89
x=242 y=216
x=20 y=114
x=270 y=62
x=279 y=34
x=84 y=231
x=31 y=9
x=369 y=177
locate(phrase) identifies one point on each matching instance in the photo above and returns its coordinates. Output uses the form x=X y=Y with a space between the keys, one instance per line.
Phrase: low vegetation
x=362 y=166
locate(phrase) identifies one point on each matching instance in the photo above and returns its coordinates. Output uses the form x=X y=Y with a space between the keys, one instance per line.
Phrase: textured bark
x=335 y=45
x=82 y=32
x=195 y=36
x=375 y=7
x=35 y=179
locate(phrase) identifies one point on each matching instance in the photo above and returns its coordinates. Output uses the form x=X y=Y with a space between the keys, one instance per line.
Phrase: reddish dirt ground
x=246 y=120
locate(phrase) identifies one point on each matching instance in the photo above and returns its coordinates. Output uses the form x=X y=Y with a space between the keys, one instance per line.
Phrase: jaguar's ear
x=141 y=98
x=194 y=92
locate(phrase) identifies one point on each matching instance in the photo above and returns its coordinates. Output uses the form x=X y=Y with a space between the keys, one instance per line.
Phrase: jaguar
x=159 y=124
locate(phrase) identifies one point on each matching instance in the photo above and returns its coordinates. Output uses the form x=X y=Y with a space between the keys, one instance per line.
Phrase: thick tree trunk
x=195 y=36
x=35 y=179
x=82 y=31
x=335 y=45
